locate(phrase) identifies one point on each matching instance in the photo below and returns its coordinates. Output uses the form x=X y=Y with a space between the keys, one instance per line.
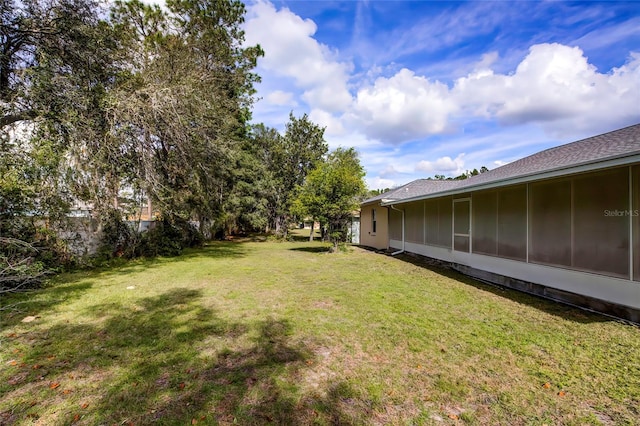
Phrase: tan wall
x=379 y=239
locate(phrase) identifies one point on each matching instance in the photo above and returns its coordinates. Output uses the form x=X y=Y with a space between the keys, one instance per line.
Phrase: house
x=563 y=223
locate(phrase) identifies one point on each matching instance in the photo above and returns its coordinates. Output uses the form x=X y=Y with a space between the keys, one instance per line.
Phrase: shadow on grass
x=558 y=309
x=14 y=307
x=316 y=249
x=68 y=286
x=212 y=250
x=169 y=360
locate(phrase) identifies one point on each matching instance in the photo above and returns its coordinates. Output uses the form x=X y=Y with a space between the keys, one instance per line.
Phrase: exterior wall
x=579 y=234
x=378 y=238
x=635 y=195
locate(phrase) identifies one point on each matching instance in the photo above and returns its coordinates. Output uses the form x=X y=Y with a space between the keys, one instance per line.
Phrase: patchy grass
x=283 y=333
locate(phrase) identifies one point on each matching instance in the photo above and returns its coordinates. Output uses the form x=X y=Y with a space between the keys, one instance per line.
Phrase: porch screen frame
x=459 y=237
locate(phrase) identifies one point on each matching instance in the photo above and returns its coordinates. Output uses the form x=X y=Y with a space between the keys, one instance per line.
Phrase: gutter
x=402 y=249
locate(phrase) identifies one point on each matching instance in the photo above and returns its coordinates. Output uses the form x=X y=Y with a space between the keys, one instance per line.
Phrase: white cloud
x=380 y=183
x=333 y=125
x=291 y=51
x=281 y=98
x=403 y=107
x=442 y=165
x=555 y=86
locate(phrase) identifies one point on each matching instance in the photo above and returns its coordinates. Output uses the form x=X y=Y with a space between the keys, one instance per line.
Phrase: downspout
x=402 y=249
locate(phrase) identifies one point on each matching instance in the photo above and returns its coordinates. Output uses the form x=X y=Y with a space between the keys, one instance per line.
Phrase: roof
x=563 y=159
x=414 y=189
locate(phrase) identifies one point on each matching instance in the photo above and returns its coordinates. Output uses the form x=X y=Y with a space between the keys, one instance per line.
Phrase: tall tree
x=303 y=148
x=182 y=113
x=331 y=192
x=55 y=66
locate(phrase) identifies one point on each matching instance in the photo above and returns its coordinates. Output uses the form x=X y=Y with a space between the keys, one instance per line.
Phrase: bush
x=20 y=268
x=166 y=238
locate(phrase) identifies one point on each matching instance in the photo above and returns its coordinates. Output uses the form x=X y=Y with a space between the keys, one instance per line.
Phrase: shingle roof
x=619 y=143
x=415 y=188
x=608 y=146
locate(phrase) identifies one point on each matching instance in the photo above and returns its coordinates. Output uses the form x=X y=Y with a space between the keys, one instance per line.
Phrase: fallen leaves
x=54 y=385
x=548 y=386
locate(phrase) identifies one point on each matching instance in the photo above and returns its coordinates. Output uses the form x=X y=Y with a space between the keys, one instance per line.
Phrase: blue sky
x=423 y=88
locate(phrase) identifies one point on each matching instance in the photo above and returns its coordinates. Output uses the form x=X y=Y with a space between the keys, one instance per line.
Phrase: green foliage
x=269 y=168
x=303 y=148
x=466 y=175
x=152 y=102
x=165 y=238
x=118 y=238
x=182 y=113
x=20 y=268
x=332 y=191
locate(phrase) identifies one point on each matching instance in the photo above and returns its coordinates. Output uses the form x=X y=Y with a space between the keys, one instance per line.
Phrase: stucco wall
x=380 y=238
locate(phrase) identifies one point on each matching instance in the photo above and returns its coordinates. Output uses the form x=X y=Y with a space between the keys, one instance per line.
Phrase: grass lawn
x=282 y=333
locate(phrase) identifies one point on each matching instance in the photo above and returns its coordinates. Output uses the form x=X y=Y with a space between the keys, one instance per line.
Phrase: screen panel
x=550 y=222
x=461 y=243
x=485 y=222
x=512 y=223
x=601 y=219
x=395 y=224
x=445 y=213
x=431 y=222
x=414 y=222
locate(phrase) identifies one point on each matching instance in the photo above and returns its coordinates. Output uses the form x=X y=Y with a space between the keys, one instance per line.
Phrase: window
x=445 y=214
x=431 y=222
x=373 y=221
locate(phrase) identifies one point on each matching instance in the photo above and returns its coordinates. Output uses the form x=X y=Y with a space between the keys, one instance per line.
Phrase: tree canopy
x=331 y=192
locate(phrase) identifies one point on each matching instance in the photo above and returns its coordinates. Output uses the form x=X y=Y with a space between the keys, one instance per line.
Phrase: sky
x=421 y=88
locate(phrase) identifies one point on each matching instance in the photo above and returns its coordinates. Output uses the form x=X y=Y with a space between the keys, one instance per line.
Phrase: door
x=462 y=225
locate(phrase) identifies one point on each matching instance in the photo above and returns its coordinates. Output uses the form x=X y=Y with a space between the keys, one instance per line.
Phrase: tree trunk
x=311 y=233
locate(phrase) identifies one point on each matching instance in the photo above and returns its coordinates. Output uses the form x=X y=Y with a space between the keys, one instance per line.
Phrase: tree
x=331 y=192
x=55 y=66
x=463 y=176
x=250 y=205
x=180 y=113
x=303 y=147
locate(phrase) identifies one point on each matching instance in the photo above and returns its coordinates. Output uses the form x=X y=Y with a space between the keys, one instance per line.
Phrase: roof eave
x=621 y=160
